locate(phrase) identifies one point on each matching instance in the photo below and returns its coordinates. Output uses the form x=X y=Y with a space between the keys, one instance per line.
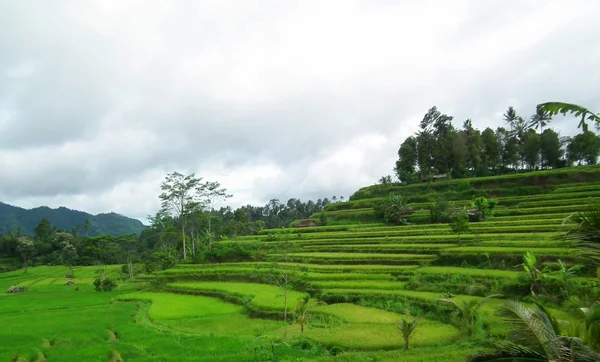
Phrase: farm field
x=358 y=279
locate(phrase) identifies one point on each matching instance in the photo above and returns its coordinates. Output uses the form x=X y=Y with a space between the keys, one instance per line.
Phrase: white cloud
x=99 y=100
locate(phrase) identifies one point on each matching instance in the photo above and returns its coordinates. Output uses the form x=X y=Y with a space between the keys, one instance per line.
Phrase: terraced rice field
x=360 y=279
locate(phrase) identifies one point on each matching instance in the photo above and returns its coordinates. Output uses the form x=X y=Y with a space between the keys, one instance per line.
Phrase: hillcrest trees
x=438 y=147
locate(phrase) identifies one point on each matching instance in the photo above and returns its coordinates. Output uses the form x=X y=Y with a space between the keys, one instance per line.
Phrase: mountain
x=12 y=217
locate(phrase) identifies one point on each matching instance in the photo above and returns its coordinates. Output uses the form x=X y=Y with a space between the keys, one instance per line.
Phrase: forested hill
x=13 y=217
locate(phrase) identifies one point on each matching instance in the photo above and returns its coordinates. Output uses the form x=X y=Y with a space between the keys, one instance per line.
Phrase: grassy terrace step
x=592 y=186
x=312 y=229
x=356 y=258
x=305 y=267
x=420 y=231
x=508 y=250
x=381 y=248
x=449 y=270
x=263 y=296
x=425 y=239
x=360 y=284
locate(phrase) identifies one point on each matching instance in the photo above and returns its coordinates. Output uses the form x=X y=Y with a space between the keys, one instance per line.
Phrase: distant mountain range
x=13 y=217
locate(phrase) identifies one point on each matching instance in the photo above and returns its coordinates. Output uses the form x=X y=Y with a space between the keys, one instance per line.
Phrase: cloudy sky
x=100 y=99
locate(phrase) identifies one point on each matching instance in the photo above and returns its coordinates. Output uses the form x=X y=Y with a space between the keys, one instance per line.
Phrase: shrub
x=105 y=284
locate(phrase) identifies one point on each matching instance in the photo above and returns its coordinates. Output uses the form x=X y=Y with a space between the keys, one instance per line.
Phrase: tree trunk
x=183 y=236
x=285 y=303
x=209 y=231
x=193 y=243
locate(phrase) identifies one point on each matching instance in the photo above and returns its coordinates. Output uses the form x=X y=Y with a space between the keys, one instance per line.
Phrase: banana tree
x=554 y=108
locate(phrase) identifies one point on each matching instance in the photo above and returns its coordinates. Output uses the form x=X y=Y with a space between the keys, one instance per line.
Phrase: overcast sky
x=274 y=99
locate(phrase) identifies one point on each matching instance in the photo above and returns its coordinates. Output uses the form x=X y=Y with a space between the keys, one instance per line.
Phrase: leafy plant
x=394 y=210
x=564 y=273
x=534 y=274
x=555 y=108
x=584 y=234
x=459 y=224
x=407 y=329
x=468 y=311
x=484 y=207
x=534 y=336
x=105 y=284
x=303 y=309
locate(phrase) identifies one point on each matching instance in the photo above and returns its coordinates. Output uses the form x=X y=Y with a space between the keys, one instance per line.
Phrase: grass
x=263 y=296
x=467 y=271
x=359 y=284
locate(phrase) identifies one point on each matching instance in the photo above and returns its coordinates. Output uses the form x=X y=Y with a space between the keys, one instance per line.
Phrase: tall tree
x=490 y=155
x=178 y=197
x=407 y=159
x=530 y=150
x=510 y=117
x=584 y=147
x=474 y=145
x=550 y=148
x=25 y=247
x=540 y=119
x=212 y=194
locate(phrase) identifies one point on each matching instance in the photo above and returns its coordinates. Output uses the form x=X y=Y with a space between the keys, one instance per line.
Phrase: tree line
x=524 y=144
x=191 y=219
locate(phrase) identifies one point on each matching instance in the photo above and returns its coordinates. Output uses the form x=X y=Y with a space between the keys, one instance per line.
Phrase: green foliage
x=438 y=211
x=554 y=108
x=460 y=224
x=407 y=329
x=323 y=220
x=104 y=285
x=533 y=336
x=468 y=312
x=484 y=207
x=394 y=210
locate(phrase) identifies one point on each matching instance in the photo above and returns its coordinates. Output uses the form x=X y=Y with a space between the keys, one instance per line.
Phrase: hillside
x=13 y=217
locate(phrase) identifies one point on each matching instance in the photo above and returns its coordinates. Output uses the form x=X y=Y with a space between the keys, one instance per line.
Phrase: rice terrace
x=500 y=264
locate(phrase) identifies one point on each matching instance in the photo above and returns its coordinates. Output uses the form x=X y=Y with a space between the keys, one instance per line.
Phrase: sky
x=99 y=100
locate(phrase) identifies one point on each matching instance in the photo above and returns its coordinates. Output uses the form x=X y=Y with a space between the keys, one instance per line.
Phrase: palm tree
x=534 y=336
x=510 y=117
x=540 y=119
x=468 y=311
x=303 y=308
x=520 y=127
x=555 y=108
x=408 y=330
x=584 y=234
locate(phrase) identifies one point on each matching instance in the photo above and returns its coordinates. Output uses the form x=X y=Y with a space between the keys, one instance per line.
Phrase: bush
x=105 y=285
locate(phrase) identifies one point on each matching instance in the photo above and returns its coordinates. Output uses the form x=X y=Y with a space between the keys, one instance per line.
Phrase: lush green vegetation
x=336 y=292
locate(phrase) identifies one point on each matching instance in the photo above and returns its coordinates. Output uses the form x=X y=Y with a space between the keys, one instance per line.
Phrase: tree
x=459 y=224
x=484 y=206
x=407 y=160
x=540 y=119
x=468 y=311
x=384 y=180
x=178 y=196
x=554 y=108
x=534 y=336
x=25 y=247
x=490 y=153
x=281 y=276
x=474 y=145
x=565 y=273
x=212 y=194
x=86 y=228
x=407 y=329
x=303 y=309
x=584 y=147
x=68 y=255
x=530 y=151
x=44 y=230
x=550 y=148
x=510 y=117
